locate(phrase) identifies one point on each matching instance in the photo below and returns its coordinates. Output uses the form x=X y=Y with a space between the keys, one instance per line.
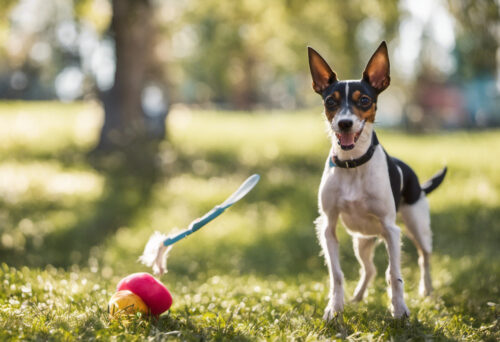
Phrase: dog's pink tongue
x=346 y=139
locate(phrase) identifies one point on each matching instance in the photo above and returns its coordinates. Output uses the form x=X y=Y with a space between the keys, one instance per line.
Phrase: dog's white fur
x=363 y=199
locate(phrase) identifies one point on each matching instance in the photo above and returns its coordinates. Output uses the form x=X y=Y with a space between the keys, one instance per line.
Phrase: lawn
x=70 y=229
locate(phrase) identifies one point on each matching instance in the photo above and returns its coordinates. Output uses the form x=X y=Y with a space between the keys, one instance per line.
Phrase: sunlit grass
x=46 y=128
x=253 y=273
x=47 y=180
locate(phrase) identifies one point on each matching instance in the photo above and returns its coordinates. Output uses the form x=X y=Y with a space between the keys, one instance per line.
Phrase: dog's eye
x=365 y=101
x=331 y=103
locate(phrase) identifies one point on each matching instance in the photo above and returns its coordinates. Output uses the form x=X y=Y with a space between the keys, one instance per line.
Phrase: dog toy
x=140 y=292
x=126 y=303
x=159 y=245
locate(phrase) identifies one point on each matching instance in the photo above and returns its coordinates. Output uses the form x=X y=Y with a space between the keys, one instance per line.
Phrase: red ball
x=150 y=289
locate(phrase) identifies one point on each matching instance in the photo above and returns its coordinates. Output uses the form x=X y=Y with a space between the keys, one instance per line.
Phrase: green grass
x=71 y=228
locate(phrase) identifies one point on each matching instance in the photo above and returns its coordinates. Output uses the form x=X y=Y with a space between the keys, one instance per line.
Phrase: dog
x=366 y=187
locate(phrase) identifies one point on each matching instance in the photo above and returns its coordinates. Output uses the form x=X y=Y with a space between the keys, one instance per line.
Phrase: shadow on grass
x=459 y=232
x=129 y=177
x=467 y=230
x=468 y=240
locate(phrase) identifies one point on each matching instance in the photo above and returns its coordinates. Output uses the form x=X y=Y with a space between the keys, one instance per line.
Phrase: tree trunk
x=125 y=121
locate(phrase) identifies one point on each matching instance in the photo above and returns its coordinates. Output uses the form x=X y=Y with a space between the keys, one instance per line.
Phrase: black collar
x=349 y=164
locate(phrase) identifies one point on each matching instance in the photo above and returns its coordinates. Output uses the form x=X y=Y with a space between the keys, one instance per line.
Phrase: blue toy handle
x=197 y=224
x=216 y=211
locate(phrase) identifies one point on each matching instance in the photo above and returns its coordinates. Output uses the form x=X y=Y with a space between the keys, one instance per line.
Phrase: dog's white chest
x=359 y=196
x=357 y=214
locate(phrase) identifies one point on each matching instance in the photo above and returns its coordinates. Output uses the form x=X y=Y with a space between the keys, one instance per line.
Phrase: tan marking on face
x=368 y=115
x=331 y=113
x=356 y=95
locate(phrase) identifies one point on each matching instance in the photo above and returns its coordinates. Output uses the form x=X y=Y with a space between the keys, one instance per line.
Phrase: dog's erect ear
x=321 y=73
x=377 y=70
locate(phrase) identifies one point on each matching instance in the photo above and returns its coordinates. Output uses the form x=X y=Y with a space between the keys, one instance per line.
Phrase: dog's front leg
x=329 y=242
x=393 y=274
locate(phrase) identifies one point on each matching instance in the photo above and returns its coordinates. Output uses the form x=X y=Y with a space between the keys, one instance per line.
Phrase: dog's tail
x=434 y=182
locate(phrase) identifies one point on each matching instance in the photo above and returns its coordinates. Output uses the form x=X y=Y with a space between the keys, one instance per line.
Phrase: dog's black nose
x=345 y=124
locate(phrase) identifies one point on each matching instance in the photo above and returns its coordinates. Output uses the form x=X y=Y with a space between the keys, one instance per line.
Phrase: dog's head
x=350 y=104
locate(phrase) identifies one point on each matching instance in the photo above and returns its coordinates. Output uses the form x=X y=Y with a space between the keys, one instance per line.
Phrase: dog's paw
x=424 y=289
x=400 y=311
x=333 y=310
x=329 y=314
x=357 y=296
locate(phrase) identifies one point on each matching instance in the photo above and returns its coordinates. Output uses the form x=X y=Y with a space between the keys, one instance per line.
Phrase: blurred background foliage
x=251 y=54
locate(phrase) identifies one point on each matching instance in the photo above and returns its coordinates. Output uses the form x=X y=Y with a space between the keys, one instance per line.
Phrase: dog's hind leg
x=363 y=248
x=418 y=223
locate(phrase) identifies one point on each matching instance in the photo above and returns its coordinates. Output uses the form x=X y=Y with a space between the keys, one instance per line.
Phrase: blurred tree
x=255 y=50
x=29 y=57
x=477 y=37
x=135 y=106
x=236 y=54
x=82 y=47
x=477 y=48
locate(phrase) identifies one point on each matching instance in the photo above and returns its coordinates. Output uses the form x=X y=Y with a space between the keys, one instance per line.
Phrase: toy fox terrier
x=366 y=187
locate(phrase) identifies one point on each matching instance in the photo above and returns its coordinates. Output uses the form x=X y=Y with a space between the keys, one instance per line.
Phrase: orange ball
x=126 y=303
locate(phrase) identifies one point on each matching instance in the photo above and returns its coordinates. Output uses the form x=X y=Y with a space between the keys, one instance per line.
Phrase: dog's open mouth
x=348 y=140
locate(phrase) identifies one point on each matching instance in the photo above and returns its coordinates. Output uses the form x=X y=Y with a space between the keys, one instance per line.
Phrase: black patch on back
x=411 y=186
